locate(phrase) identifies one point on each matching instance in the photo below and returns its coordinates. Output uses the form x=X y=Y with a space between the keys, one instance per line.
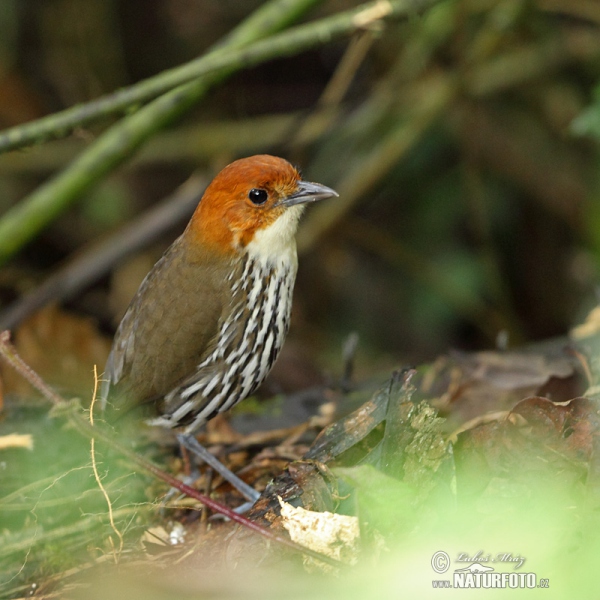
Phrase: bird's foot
x=191 y=443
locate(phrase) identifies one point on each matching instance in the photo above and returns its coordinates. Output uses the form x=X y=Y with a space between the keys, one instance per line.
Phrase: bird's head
x=254 y=205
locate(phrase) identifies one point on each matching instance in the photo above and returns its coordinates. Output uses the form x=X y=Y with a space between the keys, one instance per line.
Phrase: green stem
x=225 y=54
x=85 y=427
x=24 y=221
x=269 y=18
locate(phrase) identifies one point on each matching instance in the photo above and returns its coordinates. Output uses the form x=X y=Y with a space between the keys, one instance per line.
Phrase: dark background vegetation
x=464 y=144
x=463 y=149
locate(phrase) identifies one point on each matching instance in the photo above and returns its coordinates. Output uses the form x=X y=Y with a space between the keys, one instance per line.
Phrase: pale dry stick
x=432 y=98
x=9 y=353
x=353 y=58
x=97 y=475
x=325 y=114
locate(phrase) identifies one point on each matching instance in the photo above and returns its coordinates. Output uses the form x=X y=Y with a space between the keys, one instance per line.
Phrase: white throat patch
x=276 y=244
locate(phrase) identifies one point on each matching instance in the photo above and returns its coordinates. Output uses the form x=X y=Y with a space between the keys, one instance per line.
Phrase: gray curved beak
x=308 y=192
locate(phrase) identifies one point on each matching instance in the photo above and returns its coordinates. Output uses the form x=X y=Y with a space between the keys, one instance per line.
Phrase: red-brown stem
x=11 y=356
x=9 y=353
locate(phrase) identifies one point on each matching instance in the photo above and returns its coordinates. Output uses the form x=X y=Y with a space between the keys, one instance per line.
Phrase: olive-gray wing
x=168 y=329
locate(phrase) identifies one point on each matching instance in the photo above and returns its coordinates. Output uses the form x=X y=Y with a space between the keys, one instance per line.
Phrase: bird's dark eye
x=258 y=196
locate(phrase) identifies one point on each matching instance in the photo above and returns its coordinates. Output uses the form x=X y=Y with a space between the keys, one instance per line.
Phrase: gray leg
x=192 y=444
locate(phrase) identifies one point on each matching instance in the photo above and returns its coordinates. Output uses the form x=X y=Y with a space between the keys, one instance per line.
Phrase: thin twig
x=31 y=215
x=91 y=263
x=433 y=97
x=306 y=128
x=9 y=353
x=20 y=224
x=224 y=56
x=116 y=553
x=268 y=18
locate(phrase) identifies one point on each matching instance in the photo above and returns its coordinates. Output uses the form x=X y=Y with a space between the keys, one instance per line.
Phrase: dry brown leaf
x=62 y=348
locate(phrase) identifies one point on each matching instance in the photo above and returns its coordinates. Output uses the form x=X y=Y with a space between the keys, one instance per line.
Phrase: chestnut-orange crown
x=247 y=196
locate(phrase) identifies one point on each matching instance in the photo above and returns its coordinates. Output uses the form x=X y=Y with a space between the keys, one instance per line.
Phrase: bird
x=209 y=320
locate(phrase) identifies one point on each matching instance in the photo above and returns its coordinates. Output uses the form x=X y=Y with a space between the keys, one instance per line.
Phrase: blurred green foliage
x=464 y=144
x=53 y=514
x=467 y=203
